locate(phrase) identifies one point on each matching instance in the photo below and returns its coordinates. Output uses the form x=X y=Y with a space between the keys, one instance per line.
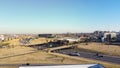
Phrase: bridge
x=60 y=47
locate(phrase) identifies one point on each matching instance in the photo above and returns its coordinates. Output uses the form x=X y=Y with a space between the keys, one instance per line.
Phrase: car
x=74 y=54
x=98 y=55
x=63 y=52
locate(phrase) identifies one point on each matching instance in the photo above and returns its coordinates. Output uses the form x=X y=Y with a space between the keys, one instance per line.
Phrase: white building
x=2 y=38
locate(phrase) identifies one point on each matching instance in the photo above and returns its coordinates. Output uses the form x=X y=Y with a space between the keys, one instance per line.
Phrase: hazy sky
x=58 y=16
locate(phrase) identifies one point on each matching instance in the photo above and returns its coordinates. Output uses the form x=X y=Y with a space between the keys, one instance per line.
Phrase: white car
x=74 y=54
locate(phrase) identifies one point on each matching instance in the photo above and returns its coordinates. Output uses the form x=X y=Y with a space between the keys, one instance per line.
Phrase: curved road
x=100 y=57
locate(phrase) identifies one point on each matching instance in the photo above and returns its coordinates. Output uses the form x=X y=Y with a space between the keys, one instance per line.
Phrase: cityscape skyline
x=59 y=16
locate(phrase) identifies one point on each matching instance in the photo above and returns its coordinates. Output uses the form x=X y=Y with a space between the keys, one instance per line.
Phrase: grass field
x=41 y=40
x=39 y=58
x=50 y=58
x=90 y=61
x=14 y=51
x=101 y=48
x=34 y=41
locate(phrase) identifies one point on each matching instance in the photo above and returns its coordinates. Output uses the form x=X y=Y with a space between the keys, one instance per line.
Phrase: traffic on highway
x=95 y=56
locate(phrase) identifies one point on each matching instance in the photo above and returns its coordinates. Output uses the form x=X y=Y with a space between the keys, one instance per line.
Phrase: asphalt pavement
x=94 y=56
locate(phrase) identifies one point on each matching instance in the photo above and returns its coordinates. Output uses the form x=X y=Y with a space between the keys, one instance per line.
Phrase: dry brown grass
x=38 y=58
x=34 y=41
x=14 y=51
x=41 y=40
x=51 y=58
x=102 y=48
x=13 y=42
x=37 y=41
x=15 y=47
x=45 y=58
x=8 y=66
x=89 y=61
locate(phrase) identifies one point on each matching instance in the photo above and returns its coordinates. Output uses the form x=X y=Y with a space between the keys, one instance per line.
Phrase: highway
x=100 y=57
x=66 y=50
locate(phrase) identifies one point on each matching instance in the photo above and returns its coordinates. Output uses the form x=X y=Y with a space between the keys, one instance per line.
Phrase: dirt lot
x=101 y=48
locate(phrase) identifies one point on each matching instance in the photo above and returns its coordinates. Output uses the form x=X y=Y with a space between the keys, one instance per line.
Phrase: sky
x=59 y=16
